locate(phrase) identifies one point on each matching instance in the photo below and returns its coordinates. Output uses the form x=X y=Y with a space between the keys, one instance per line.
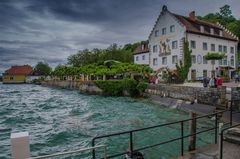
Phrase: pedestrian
x=211 y=82
x=205 y=82
x=219 y=82
x=236 y=77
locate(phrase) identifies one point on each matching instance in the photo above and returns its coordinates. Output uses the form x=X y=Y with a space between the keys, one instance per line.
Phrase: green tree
x=42 y=68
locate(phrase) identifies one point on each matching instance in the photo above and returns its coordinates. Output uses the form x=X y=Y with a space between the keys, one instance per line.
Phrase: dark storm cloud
x=51 y=30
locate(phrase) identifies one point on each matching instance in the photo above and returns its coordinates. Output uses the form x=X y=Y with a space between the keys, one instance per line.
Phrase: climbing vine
x=184 y=66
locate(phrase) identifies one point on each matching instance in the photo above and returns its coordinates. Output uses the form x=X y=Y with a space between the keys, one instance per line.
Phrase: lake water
x=60 y=120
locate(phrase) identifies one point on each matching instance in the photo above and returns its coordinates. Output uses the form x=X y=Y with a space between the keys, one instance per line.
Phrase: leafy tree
x=98 y=56
x=43 y=68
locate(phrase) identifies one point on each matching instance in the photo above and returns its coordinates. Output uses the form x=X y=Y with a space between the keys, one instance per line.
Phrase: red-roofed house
x=17 y=74
x=165 y=44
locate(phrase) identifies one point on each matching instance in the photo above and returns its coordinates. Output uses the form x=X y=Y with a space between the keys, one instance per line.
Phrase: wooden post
x=192 y=130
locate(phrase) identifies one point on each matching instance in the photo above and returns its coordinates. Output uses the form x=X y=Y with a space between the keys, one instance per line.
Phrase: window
x=155 y=48
x=172 y=28
x=154 y=61
x=193 y=44
x=204 y=60
x=163 y=31
x=193 y=59
x=143 y=57
x=225 y=49
x=221 y=33
x=225 y=61
x=156 y=33
x=174 y=45
x=232 y=60
x=11 y=77
x=136 y=58
x=199 y=59
x=174 y=59
x=164 y=60
x=202 y=29
x=232 y=50
x=220 y=62
x=204 y=46
x=212 y=31
x=212 y=47
x=220 y=48
x=204 y=73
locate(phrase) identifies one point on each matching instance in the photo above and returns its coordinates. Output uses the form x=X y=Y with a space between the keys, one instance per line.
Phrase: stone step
x=232 y=139
x=234 y=132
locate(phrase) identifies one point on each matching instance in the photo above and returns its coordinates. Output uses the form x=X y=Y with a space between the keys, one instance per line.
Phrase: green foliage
x=183 y=67
x=109 y=68
x=119 y=87
x=214 y=56
x=141 y=87
x=42 y=68
x=114 y=52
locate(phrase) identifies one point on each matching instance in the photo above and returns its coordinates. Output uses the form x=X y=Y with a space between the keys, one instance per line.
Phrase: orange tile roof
x=19 y=70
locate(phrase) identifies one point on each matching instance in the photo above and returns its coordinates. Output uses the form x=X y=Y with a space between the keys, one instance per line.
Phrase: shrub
x=121 y=87
x=141 y=87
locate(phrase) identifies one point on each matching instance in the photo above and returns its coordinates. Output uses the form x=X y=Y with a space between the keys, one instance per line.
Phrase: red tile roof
x=193 y=26
x=19 y=70
x=142 y=48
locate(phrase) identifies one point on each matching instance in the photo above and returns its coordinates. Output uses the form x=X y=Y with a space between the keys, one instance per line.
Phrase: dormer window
x=202 y=29
x=220 y=33
x=212 y=31
x=143 y=46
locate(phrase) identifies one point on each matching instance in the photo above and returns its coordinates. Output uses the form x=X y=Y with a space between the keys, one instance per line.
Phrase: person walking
x=236 y=77
x=211 y=82
x=219 y=82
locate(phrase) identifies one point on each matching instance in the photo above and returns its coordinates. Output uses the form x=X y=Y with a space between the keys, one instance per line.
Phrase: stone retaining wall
x=211 y=96
x=87 y=87
x=235 y=97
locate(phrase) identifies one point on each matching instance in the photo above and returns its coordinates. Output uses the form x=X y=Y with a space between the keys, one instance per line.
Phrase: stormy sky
x=51 y=30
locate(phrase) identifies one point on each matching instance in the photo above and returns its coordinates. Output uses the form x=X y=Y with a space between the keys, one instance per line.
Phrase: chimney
x=192 y=15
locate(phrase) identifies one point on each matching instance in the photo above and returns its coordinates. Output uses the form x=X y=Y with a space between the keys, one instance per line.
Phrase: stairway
x=233 y=136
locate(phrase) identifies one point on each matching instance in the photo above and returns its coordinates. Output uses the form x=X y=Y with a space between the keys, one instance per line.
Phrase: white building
x=165 y=44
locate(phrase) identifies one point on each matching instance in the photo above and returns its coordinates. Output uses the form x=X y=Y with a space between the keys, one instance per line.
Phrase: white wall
x=199 y=67
x=140 y=58
x=165 y=21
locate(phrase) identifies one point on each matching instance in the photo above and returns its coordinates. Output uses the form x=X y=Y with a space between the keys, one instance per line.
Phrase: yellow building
x=17 y=74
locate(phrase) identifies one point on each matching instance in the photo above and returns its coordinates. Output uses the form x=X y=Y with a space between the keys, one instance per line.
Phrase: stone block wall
x=87 y=87
x=235 y=97
x=212 y=96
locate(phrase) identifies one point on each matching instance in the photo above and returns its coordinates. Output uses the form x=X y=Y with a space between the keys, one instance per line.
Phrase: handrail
x=130 y=132
x=221 y=137
x=160 y=125
x=73 y=152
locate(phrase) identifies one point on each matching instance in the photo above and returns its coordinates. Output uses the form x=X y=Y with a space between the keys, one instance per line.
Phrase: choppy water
x=60 y=120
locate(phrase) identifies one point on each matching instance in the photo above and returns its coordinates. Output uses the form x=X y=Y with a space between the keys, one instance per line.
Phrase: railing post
x=131 y=144
x=182 y=139
x=216 y=126
x=231 y=113
x=20 y=145
x=220 y=141
x=192 y=131
x=93 y=151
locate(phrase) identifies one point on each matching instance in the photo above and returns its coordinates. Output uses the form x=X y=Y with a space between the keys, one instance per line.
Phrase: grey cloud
x=51 y=30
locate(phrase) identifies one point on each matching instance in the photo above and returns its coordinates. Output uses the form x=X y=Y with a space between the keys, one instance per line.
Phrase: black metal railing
x=221 y=139
x=182 y=137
